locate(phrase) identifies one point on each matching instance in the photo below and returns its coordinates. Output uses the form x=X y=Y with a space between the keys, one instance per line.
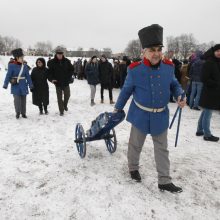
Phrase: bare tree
x=187 y=43
x=43 y=48
x=133 y=48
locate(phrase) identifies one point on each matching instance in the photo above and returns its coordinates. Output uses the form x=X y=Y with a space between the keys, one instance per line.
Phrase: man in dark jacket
x=60 y=73
x=106 y=78
x=195 y=77
x=210 y=96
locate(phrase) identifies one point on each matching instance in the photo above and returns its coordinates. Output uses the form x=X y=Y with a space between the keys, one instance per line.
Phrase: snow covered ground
x=43 y=178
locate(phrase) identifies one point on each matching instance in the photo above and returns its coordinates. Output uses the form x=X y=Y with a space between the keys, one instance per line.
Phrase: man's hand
x=54 y=81
x=180 y=102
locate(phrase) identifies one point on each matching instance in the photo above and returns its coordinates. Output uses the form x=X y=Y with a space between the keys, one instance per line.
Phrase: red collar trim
x=16 y=62
x=146 y=62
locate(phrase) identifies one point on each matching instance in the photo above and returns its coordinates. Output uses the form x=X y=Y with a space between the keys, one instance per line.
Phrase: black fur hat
x=17 y=52
x=151 y=36
x=216 y=47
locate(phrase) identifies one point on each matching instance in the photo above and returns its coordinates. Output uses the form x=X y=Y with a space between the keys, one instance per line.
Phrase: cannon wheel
x=80 y=140
x=111 y=143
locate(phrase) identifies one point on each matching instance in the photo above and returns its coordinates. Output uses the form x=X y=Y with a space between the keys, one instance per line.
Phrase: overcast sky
x=100 y=23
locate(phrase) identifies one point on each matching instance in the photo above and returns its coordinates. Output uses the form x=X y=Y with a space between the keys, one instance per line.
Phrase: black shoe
x=46 y=112
x=17 y=115
x=61 y=114
x=199 y=133
x=170 y=187
x=66 y=108
x=196 y=108
x=135 y=175
x=211 y=138
x=24 y=116
x=41 y=112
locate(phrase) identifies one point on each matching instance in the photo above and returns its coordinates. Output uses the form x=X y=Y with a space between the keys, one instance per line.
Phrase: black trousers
x=62 y=102
x=109 y=90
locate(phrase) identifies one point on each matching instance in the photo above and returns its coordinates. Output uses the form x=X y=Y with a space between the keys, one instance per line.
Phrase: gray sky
x=99 y=23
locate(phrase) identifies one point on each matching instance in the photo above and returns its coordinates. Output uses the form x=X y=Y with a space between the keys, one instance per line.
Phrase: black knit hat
x=151 y=36
x=93 y=57
x=17 y=52
x=216 y=47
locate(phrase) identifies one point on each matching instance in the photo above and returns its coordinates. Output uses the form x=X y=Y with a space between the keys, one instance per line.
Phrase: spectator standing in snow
x=106 y=78
x=60 y=74
x=150 y=82
x=92 y=76
x=40 y=94
x=210 y=96
x=18 y=76
x=195 y=77
x=123 y=70
x=184 y=74
x=79 y=69
x=116 y=74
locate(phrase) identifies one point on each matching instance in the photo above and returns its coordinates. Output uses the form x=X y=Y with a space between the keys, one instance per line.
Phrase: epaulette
x=166 y=61
x=133 y=65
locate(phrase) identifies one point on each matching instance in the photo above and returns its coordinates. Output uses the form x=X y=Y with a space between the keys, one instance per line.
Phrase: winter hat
x=125 y=58
x=93 y=57
x=104 y=56
x=17 y=52
x=216 y=47
x=151 y=36
x=59 y=49
x=199 y=54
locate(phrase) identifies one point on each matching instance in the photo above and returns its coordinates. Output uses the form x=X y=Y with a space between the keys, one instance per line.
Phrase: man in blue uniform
x=150 y=82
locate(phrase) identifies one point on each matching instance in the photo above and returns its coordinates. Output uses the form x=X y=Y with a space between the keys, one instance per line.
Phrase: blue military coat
x=22 y=87
x=151 y=88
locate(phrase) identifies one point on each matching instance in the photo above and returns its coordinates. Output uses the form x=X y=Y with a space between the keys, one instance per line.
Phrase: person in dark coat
x=40 y=94
x=92 y=76
x=210 y=96
x=123 y=70
x=60 y=74
x=195 y=77
x=106 y=78
x=79 y=69
x=116 y=74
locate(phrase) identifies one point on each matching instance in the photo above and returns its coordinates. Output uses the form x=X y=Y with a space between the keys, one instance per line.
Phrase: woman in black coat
x=210 y=96
x=39 y=76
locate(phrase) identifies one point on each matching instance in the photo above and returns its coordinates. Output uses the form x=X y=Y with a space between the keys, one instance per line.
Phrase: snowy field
x=43 y=178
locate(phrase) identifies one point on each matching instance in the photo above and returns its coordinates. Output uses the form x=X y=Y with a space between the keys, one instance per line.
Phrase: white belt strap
x=19 y=75
x=154 y=110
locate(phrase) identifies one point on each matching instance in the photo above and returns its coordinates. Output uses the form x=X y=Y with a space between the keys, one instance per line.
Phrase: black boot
x=170 y=187
x=66 y=108
x=24 y=116
x=17 y=115
x=45 y=110
x=92 y=102
x=199 y=133
x=41 y=109
x=135 y=175
x=211 y=138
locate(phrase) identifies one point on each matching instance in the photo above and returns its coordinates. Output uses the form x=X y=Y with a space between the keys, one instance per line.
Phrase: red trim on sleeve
x=169 y=62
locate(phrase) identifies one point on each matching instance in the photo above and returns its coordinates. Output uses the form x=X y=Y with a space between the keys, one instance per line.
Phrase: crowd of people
x=152 y=82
